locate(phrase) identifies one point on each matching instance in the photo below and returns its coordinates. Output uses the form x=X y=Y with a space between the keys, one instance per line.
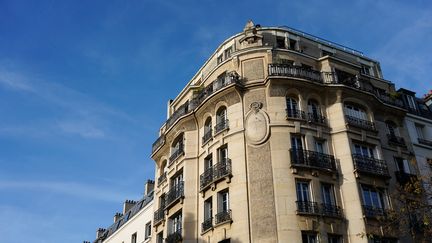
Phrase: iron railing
x=295 y=114
x=215 y=173
x=370 y=165
x=222 y=125
x=307 y=158
x=330 y=210
x=158 y=143
x=174 y=237
x=159 y=215
x=176 y=153
x=403 y=177
x=307 y=207
x=223 y=216
x=174 y=194
x=357 y=122
x=316 y=118
x=207 y=136
x=425 y=141
x=162 y=178
x=294 y=72
x=393 y=139
x=373 y=212
x=207 y=224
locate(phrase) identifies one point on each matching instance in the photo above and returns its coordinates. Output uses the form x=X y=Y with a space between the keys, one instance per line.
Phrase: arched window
x=314 y=112
x=357 y=116
x=207 y=130
x=221 y=119
x=292 y=108
x=162 y=173
x=177 y=148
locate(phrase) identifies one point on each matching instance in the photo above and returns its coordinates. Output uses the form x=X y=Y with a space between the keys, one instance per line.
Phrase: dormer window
x=228 y=52
x=365 y=69
x=292 y=44
x=220 y=59
x=280 y=42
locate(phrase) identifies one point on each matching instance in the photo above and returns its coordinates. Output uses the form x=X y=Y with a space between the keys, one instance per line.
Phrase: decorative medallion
x=256 y=124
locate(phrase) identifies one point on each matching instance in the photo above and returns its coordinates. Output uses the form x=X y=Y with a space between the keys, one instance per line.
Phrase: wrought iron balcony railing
x=162 y=178
x=295 y=114
x=159 y=215
x=173 y=195
x=222 y=125
x=316 y=118
x=294 y=72
x=357 y=122
x=330 y=210
x=370 y=165
x=373 y=212
x=312 y=159
x=403 y=177
x=158 y=143
x=215 y=173
x=207 y=224
x=174 y=237
x=207 y=136
x=307 y=207
x=223 y=216
x=393 y=139
x=425 y=141
x=176 y=154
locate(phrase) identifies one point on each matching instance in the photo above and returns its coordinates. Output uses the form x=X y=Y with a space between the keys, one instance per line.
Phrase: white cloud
x=85 y=130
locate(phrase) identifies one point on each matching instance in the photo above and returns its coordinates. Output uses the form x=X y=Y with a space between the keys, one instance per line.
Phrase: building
x=133 y=224
x=282 y=136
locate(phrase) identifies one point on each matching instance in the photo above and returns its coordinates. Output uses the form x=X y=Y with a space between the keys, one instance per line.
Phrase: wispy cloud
x=74 y=189
x=83 y=129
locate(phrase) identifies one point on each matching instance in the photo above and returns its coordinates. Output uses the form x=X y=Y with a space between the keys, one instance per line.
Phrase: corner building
x=280 y=137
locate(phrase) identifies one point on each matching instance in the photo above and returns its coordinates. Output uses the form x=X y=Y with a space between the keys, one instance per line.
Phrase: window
x=314 y=111
x=365 y=69
x=309 y=237
x=392 y=128
x=328 y=196
x=177 y=148
x=221 y=119
x=207 y=130
x=297 y=153
x=223 y=201
x=364 y=150
x=223 y=154
x=402 y=165
x=306 y=67
x=356 y=112
x=148 y=229
x=280 y=42
x=345 y=77
x=228 y=52
x=220 y=59
x=292 y=44
x=411 y=102
x=175 y=223
x=208 y=209
x=208 y=162
x=162 y=201
x=303 y=194
x=177 y=181
x=373 y=197
x=320 y=146
x=419 y=129
x=292 y=107
x=334 y=238
x=159 y=238
x=326 y=53
x=134 y=238
x=296 y=142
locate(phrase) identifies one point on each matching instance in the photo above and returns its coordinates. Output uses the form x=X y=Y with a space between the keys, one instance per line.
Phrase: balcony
x=330 y=210
x=158 y=143
x=396 y=140
x=369 y=165
x=215 y=173
x=174 y=237
x=207 y=136
x=207 y=225
x=286 y=70
x=403 y=177
x=176 y=154
x=159 y=215
x=360 y=123
x=223 y=217
x=295 y=114
x=373 y=212
x=181 y=111
x=317 y=118
x=221 y=126
x=162 y=178
x=425 y=142
x=306 y=207
x=174 y=195
x=312 y=159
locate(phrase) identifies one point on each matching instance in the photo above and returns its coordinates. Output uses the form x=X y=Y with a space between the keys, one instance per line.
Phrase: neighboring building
x=418 y=121
x=281 y=137
x=134 y=224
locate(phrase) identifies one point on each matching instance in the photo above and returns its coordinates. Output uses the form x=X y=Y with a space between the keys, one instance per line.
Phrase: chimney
x=86 y=241
x=117 y=216
x=127 y=205
x=148 y=188
x=100 y=232
x=428 y=99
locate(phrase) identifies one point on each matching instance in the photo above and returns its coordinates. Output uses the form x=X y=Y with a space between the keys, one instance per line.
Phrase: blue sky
x=84 y=87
